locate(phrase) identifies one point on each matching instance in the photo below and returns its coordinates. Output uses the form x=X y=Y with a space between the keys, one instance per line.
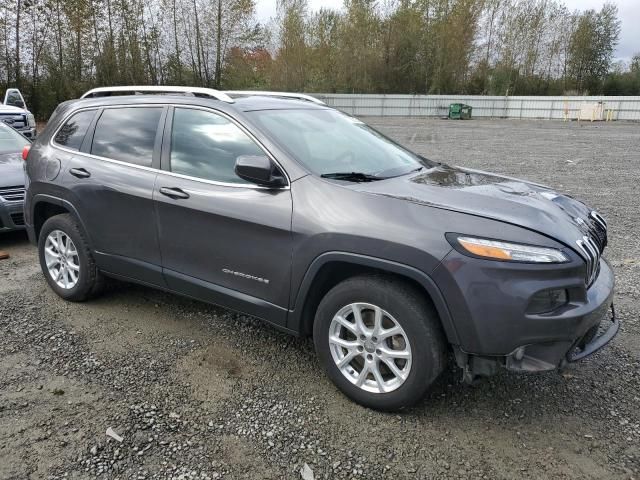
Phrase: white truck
x=13 y=112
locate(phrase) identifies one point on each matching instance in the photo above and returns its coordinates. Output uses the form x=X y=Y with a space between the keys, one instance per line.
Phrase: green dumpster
x=460 y=111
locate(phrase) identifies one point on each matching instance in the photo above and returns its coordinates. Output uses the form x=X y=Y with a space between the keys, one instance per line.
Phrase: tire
x=88 y=279
x=398 y=303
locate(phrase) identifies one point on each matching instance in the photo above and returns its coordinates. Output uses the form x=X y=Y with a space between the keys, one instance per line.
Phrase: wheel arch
x=330 y=268
x=46 y=206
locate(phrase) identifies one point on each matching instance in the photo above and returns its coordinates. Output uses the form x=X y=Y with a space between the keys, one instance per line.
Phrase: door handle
x=80 y=173
x=174 y=193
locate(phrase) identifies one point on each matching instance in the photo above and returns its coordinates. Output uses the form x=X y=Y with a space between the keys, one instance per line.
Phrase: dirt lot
x=199 y=392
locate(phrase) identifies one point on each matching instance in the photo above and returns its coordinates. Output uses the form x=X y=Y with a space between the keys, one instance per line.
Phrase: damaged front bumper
x=592 y=342
x=578 y=332
x=549 y=356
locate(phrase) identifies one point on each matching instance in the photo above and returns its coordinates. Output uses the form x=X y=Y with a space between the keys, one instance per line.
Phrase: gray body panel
x=116 y=203
x=221 y=231
x=486 y=195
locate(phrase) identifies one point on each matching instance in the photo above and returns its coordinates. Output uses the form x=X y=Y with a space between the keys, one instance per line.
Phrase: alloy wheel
x=370 y=347
x=61 y=258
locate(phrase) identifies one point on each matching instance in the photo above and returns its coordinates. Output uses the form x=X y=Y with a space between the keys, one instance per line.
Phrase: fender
x=295 y=315
x=43 y=197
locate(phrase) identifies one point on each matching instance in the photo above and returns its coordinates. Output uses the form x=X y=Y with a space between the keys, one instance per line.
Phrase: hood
x=483 y=194
x=12 y=109
x=11 y=169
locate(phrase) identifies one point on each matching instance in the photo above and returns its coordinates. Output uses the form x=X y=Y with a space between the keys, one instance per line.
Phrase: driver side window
x=205 y=145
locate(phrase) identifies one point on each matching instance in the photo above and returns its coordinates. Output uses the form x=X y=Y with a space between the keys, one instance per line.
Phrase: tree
x=591 y=47
x=323 y=37
x=247 y=68
x=290 y=66
x=359 y=48
x=403 y=54
x=234 y=26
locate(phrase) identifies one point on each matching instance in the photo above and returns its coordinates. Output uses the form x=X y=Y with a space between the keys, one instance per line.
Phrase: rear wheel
x=380 y=341
x=66 y=260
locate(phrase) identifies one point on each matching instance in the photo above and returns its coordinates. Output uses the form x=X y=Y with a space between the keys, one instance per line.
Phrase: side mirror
x=259 y=169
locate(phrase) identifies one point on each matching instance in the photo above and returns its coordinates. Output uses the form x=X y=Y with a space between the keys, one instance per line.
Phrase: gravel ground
x=197 y=392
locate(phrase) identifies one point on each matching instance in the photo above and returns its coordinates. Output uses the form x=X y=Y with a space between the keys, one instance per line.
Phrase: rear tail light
x=25 y=152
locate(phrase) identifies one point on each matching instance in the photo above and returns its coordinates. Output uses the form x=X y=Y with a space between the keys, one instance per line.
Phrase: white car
x=14 y=113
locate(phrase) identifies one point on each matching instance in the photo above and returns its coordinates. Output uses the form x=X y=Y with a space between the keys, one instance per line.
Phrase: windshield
x=14 y=99
x=11 y=141
x=329 y=142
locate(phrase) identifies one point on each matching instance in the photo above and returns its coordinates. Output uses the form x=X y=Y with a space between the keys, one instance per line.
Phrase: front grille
x=12 y=194
x=592 y=245
x=14 y=120
x=598 y=229
x=18 y=219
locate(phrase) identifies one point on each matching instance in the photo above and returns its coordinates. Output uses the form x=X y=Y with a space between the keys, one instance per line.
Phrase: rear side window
x=127 y=134
x=206 y=145
x=73 y=131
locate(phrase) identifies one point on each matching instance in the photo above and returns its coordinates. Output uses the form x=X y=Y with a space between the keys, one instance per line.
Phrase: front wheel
x=380 y=341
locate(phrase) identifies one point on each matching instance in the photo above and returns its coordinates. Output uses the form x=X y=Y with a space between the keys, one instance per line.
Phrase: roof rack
x=298 y=96
x=141 y=89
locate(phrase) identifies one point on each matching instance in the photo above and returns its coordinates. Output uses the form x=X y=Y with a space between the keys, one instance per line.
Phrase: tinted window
x=72 y=132
x=206 y=145
x=127 y=134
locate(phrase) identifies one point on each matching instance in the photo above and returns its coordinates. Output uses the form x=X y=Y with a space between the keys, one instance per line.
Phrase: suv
x=277 y=206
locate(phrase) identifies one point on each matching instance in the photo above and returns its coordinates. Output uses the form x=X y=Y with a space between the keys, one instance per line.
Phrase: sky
x=629 y=12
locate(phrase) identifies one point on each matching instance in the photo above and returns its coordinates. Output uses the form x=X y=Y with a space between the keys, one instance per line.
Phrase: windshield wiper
x=352 y=176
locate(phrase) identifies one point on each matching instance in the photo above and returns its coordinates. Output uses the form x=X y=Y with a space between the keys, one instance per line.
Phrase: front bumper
x=592 y=342
x=549 y=356
x=494 y=327
x=11 y=216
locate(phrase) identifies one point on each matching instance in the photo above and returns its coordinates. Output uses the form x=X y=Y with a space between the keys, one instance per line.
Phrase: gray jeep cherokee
x=280 y=207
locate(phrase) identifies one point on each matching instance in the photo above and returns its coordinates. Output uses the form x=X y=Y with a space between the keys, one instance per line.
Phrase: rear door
x=111 y=179
x=222 y=239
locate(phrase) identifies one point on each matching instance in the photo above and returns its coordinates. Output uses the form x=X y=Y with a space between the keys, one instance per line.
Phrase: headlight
x=513 y=252
x=31 y=120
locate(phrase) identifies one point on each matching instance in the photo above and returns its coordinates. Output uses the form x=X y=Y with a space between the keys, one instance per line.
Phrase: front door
x=222 y=239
